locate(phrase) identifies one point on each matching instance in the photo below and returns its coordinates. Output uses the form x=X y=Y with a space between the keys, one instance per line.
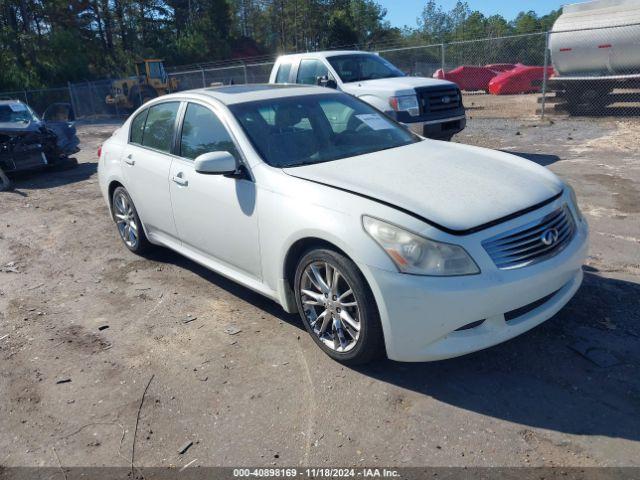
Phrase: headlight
x=406 y=103
x=418 y=255
x=574 y=200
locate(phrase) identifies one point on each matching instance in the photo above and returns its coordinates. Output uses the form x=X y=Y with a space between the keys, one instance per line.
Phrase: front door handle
x=183 y=182
x=129 y=160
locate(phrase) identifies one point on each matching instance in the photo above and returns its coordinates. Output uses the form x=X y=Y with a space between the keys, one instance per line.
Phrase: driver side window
x=309 y=71
x=203 y=132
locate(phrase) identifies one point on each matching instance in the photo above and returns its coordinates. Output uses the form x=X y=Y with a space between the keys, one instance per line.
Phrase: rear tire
x=588 y=100
x=128 y=222
x=337 y=307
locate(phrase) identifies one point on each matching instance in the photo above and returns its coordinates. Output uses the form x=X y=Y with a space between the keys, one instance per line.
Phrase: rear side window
x=203 y=132
x=158 y=129
x=309 y=71
x=137 y=127
x=283 y=73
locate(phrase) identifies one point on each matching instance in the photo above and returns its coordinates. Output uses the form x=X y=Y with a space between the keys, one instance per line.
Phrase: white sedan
x=383 y=241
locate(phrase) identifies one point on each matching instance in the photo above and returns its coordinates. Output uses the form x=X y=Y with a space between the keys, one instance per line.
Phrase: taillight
x=99 y=151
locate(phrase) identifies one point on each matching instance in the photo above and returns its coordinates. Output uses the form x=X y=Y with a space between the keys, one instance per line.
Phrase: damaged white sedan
x=383 y=241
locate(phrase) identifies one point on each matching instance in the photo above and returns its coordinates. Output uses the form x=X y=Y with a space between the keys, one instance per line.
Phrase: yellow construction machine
x=151 y=80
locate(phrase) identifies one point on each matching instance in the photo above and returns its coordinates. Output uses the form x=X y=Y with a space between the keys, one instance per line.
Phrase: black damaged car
x=28 y=142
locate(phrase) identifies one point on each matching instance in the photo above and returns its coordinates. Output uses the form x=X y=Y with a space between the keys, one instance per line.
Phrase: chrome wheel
x=330 y=306
x=126 y=220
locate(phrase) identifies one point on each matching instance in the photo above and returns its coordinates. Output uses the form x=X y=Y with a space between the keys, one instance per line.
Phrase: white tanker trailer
x=595 y=48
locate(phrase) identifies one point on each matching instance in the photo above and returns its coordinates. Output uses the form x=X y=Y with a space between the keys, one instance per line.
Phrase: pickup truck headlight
x=406 y=103
x=574 y=200
x=418 y=255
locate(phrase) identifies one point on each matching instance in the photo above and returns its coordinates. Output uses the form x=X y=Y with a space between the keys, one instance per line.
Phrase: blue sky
x=405 y=12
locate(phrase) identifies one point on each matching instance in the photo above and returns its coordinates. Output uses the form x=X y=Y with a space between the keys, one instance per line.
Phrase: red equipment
x=468 y=77
x=522 y=79
x=502 y=67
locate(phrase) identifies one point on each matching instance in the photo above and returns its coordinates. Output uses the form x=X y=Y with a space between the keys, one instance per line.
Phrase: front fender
x=312 y=212
x=376 y=102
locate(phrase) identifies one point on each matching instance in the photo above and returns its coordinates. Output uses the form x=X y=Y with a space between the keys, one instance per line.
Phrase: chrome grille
x=525 y=245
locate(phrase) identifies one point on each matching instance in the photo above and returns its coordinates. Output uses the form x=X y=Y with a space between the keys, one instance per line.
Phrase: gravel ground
x=85 y=326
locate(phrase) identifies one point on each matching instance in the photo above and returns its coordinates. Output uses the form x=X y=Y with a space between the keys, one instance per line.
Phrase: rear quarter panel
x=109 y=164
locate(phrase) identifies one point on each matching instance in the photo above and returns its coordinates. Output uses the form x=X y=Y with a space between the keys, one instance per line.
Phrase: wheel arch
x=298 y=249
x=110 y=189
x=113 y=184
x=295 y=252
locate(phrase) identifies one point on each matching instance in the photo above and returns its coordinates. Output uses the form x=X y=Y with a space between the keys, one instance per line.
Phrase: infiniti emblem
x=550 y=236
x=446 y=99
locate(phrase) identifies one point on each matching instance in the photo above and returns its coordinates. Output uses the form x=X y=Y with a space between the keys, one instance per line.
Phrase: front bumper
x=431 y=126
x=442 y=129
x=421 y=315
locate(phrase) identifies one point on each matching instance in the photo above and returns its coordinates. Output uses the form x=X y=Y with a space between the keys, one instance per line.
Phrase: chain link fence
x=592 y=72
x=225 y=75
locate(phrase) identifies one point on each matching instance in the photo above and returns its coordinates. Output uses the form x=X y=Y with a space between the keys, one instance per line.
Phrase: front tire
x=128 y=222
x=142 y=95
x=337 y=307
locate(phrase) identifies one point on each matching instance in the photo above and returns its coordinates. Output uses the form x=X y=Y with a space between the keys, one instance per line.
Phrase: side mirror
x=215 y=163
x=326 y=82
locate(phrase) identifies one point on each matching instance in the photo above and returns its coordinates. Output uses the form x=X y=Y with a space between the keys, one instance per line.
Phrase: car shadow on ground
x=164 y=255
x=577 y=373
x=539 y=158
x=51 y=178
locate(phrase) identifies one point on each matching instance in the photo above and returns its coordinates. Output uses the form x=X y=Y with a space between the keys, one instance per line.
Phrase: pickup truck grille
x=533 y=242
x=438 y=100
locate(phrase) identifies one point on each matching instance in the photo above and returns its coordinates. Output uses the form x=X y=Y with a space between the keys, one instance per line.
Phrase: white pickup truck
x=434 y=106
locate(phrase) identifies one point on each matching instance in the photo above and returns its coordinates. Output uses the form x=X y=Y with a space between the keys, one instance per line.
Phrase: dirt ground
x=85 y=326
x=482 y=105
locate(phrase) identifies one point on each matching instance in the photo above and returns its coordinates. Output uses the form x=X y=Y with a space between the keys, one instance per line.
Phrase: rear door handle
x=180 y=181
x=129 y=160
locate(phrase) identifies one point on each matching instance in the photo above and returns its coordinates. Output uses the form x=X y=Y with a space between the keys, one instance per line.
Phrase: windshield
x=16 y=112
x=355 y=68
x=294 y=131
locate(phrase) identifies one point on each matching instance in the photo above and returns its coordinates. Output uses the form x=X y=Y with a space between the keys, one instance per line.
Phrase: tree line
x=50 y=42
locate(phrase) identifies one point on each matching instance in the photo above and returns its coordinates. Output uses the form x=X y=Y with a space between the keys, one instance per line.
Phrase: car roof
x=234 y=94
x=325 y=54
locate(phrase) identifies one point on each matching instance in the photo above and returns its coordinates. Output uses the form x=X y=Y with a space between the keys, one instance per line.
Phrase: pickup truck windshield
x=356 y=68
x=309 y=129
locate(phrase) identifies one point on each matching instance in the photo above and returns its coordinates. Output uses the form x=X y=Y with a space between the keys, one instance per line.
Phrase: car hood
x=397 y=84
x=19 y=127
x=455 y=187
